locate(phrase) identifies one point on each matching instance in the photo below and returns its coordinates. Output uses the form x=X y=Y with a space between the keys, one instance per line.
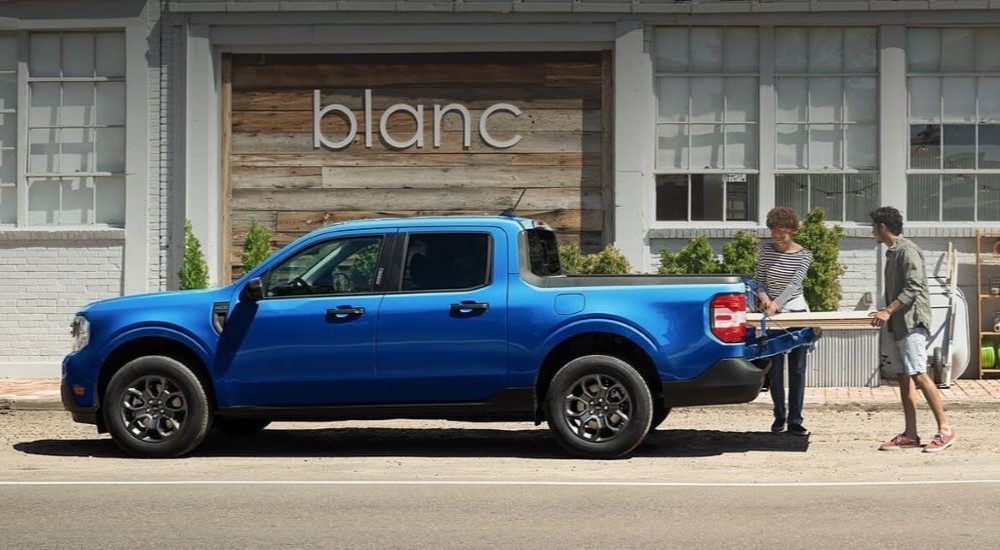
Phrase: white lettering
x=318 y=138
x=485 y=133
x=439 y=113
x=417 y=137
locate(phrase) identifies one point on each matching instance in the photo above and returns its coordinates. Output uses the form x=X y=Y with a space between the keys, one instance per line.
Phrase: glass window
x=543 y=253
x=848 y=197
x=446 y=261
x=707 y=91
x=339 y=266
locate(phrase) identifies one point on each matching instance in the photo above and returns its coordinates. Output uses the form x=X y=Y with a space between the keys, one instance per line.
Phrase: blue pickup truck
x=465 y=318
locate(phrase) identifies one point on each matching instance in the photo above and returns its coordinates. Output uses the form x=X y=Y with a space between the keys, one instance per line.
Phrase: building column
x=135 y=267
x=634 y=143
x=893 y=132
x=765 y=125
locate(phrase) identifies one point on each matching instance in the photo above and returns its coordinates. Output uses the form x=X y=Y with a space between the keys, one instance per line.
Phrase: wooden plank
x=451 y=142
x=362 y=157
x=490 y=199
x=283 y=99
x=460 y=177
x=570 y=74
x=403 y=124
x=327 y=75
x=607 y=145
x=558 y=220
x=276 y=177
x=841 y=320
x=225 y=168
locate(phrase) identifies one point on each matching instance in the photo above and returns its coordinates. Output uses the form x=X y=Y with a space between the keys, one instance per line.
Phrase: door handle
x=468 y=306
x=343 y=312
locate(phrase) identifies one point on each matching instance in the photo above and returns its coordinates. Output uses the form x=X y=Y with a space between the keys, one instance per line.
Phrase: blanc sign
x=319 y=111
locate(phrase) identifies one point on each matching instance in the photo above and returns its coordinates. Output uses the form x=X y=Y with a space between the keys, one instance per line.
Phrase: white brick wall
x=42 y=285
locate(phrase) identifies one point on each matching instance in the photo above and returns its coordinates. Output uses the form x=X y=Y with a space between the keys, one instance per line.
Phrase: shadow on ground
x=432 y=442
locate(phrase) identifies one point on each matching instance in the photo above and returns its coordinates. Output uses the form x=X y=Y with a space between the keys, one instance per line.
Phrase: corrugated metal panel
x=844 y=358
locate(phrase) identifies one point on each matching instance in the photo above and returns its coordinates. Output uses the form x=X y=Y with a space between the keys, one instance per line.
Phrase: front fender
x=168 y=332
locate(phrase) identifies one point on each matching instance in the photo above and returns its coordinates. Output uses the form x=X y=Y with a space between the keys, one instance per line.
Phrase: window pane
x=741 y=99
x=861 y=50
x=959 y=99
x=8 y=53
x=741 y=50
x=861 y=197
x=110 y=150
x=706 y=99
x=790 y=50
x=110 y=207
x=793 y=99
x=671 y=49
x=862 y=99
x=958 y=197
x=78 y=54
x=706 y=197
x=43 y=151
x=827 y=193
x=77 y=104
x=8 y=130
x=706 y=49
x=77 y=150
x=671 y=146
x=987 y=46
x=706 y=146
x=959 y=146
x=826 y=147
x=44 y=55
x=111 y=54
x=792 y=191
x=77 y=201
x=923 y=50
x=43 y=202
x=741 y=146
x=8 y=166
x=671 y=197
x=862 y=147
x=989 y=146
x=826 y=100
x=989 y=198
x=923 y=196
x=989 y=99
x=792 y=146
x=673 y=100
x=925 y=99
x=741 y=197
x=825 y=50
x=8 y=205
x=8 y=91
x=958 y=50
x=44 y=104
x=925 y=147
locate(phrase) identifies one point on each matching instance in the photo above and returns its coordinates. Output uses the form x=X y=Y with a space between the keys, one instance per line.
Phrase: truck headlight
x=80 y=330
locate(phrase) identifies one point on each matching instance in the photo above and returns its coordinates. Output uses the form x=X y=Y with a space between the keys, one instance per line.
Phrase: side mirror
x=254 y=290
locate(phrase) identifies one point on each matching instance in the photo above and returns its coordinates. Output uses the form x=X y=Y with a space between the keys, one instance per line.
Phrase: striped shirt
x=781 y=273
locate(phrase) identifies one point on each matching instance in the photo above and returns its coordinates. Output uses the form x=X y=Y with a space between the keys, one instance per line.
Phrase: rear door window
x=446 y=261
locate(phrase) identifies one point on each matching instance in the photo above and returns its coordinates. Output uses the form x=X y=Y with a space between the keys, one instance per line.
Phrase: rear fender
x=609 y=326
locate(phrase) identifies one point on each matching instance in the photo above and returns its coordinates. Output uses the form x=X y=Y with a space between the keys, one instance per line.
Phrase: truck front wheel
x=598 y=406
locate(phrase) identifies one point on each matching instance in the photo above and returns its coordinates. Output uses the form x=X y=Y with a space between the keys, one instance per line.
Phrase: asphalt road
x=714 y=478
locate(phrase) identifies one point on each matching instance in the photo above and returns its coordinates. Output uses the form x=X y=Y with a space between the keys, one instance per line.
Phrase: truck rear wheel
x=598 y=406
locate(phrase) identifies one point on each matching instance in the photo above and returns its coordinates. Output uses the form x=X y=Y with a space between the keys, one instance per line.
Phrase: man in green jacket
x=907 y=316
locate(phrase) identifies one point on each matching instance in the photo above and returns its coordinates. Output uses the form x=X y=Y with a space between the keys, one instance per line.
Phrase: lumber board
x=831 y=320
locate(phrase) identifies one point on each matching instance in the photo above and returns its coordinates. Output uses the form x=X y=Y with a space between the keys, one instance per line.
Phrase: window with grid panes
x=826 y=121
x=954 y=121
x=706 y=127
x=76 y=128
x=8 y=129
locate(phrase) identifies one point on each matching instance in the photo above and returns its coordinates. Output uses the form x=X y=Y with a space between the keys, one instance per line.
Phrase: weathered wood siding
x=278 y=179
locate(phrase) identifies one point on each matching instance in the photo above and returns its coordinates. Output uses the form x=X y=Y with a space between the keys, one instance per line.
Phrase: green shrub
x=740 y=254
x=257 y=247
x=696 y=257
x=194 y=271
x=822 y=284
x=608 y=261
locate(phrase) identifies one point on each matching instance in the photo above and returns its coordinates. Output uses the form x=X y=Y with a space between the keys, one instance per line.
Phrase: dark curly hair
x=782 y=217
x=891 y=217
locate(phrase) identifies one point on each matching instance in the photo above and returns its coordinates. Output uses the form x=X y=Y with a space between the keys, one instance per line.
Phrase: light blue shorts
x=909 y=355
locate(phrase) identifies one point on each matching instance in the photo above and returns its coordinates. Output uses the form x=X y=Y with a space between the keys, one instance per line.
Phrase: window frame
x=403 y=243
x=385 y=244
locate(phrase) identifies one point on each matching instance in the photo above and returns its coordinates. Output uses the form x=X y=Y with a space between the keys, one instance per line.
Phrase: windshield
x=543 y=253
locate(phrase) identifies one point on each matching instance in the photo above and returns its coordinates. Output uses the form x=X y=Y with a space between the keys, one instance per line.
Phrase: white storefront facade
x=112 y=124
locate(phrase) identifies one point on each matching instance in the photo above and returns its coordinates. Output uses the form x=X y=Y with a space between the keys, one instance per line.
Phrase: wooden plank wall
x=279 y=180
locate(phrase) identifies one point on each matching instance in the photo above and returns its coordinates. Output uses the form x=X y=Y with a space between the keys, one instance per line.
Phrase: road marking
x=522 y=483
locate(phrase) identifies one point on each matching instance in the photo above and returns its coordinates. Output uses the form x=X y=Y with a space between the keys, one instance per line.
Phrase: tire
x=239 y=427
x=660 y=413
x=156 y=407
x=601 y=387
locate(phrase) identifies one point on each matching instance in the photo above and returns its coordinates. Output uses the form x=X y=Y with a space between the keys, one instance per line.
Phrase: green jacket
x=906 y=281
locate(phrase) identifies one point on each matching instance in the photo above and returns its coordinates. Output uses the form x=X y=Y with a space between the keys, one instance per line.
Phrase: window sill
x=63 y=233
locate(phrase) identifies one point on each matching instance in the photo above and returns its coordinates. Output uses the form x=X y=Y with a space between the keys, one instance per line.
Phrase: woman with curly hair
x=781 y=267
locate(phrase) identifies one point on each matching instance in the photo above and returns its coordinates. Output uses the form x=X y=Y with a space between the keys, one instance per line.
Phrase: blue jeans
x=796 y=385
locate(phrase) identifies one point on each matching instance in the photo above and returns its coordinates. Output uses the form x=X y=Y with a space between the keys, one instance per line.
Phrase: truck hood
x=165 y=300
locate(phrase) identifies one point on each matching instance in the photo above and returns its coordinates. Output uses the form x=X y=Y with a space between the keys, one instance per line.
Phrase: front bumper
x=728 y=381
x=81 y=414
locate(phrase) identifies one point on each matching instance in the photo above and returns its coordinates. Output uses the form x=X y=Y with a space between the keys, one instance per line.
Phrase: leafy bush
x=194 y=271
x=740 y=254
x=822 y=285
x=257 y=247
x=696 y=257
x=608 y=261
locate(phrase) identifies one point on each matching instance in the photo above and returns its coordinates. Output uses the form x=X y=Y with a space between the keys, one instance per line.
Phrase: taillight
x=729 y=317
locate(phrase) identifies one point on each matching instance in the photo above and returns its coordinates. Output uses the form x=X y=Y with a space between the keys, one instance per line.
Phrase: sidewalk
x=43 y=394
